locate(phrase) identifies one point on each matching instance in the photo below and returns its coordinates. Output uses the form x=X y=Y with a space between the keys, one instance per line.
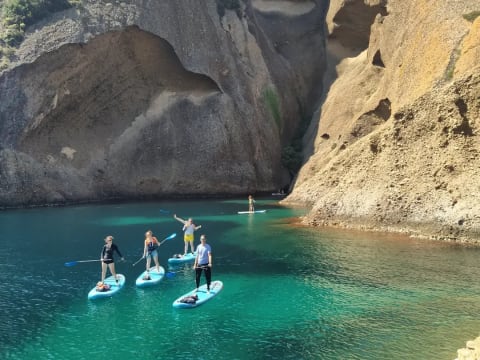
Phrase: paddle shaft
x=136 y=262
x=202 y=267
x=72 y=263
x=173 y=273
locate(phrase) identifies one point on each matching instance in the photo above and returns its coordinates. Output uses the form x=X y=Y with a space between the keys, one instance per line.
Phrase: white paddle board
x=252 y=212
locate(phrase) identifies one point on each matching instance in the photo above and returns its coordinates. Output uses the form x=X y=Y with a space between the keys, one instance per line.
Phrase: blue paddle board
x=114 y=288
x=155 y=277
x=189 y=257
x=252 y=212
x=202 y=296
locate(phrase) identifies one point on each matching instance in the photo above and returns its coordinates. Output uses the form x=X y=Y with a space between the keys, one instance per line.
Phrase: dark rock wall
x=155 y=98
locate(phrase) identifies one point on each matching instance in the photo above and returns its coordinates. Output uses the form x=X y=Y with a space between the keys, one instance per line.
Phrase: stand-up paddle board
x=180 y=259
x=193 y=299
x=114 y=287
x=252 y=212
x=154 y=277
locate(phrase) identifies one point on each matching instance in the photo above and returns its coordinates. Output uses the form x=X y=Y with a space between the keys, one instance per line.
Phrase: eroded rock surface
x=395 y=146
x=137 y=99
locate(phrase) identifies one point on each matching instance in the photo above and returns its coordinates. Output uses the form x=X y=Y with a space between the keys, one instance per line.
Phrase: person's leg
x=191 y=246
x=185 y=248
x=208 y=276
x=104 y=271
x=149 y=259
x=157 y=264
x=111 y=266
x=198 y=273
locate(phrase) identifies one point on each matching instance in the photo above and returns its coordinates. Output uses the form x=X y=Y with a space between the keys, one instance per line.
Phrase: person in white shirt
x=203 y=262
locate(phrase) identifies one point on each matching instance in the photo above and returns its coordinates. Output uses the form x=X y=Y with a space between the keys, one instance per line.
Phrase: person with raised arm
x=189 y=229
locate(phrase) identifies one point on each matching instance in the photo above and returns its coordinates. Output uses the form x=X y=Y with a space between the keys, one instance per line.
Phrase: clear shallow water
x=290 y=293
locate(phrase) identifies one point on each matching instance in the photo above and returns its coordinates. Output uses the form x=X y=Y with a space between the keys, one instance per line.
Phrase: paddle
x=172 y=274
x=166 y=239
x=166 y=212
x=73 y=263
x=204 y=267
x=136 y=262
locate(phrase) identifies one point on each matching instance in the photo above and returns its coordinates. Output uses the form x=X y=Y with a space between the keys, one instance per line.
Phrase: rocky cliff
x=395 y=145
x=147 y=98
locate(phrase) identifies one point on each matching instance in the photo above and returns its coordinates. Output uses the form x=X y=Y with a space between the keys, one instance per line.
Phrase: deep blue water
x=290 y=292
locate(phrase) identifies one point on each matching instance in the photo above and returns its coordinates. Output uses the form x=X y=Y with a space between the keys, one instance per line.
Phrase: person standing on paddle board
x=188 y=228
x=150 y=250
x=203 y=262
x=251 y=203
x=107 y=257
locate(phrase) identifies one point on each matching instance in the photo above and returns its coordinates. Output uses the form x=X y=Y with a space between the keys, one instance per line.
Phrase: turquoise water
x=289 y=292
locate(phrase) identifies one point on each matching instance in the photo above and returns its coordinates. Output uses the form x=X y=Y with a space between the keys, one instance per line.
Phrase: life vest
x=152 y=245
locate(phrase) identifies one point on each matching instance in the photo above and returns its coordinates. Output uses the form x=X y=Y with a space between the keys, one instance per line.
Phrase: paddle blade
x=164 y=211
x=70 y=263
x=168 y=238
x=170 y=274
x=171 y=236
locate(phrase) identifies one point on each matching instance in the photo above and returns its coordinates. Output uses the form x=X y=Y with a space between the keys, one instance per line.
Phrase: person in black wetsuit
x=107 y=257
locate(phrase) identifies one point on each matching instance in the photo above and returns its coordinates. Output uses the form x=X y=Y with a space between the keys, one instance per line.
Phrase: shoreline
x=421 y=231
x=425 y=231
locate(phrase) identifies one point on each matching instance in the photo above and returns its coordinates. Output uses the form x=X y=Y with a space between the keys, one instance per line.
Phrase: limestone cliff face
x=395 y=146
x=157 y=98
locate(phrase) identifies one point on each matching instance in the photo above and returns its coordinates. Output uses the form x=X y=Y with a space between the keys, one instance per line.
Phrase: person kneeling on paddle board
x=203 y=261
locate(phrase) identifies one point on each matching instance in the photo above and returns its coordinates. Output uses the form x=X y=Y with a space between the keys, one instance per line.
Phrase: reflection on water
x=290 y=293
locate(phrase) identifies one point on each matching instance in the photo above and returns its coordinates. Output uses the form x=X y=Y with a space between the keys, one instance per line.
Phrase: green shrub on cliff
x=273 y=104
x=292 y=154
x=16 y=15
x=292 y=159
x=471 y=16
x=223 y=5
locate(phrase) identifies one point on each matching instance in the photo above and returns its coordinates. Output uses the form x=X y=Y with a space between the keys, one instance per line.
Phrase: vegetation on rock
x=16 y=15
x=471 y=16
x=223 y=5
x=270 y=98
